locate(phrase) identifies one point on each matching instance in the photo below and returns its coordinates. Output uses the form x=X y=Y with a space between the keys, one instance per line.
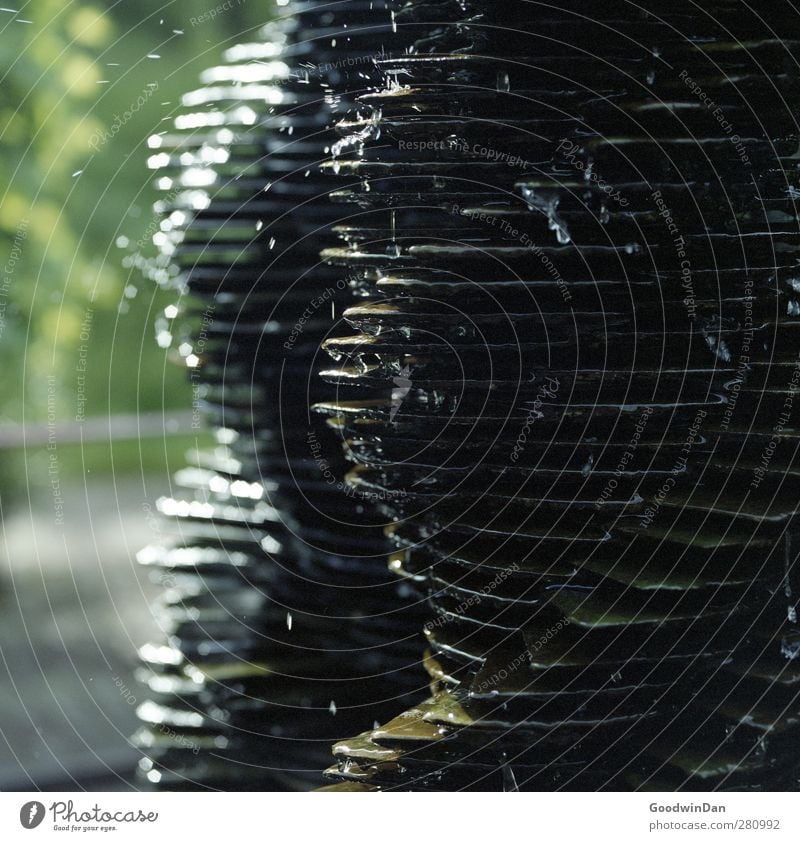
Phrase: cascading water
x=578 y=247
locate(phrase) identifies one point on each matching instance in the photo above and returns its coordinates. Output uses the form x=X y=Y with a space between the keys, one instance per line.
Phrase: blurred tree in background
x=83 y=86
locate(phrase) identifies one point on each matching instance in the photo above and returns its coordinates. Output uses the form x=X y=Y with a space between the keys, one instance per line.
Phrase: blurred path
x=74 y=607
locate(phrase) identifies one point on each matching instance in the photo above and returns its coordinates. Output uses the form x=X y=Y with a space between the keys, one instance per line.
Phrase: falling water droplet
x=509 y=780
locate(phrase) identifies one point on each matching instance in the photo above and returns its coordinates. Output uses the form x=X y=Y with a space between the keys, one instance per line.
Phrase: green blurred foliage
x=68 y=70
